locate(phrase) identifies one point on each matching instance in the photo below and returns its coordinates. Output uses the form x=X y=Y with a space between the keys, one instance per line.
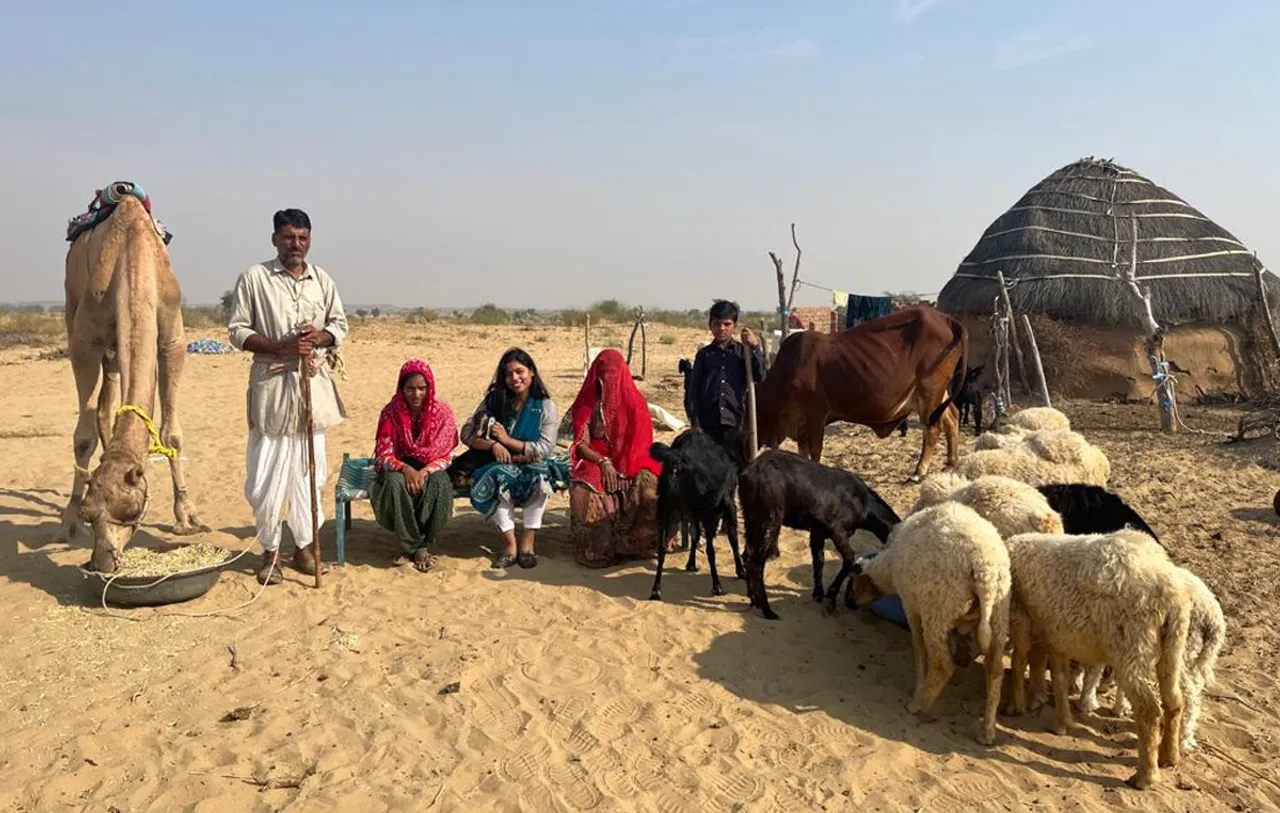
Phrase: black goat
x=780 y=488
x=690 y=532
x=970 y=397
x=696 y=486
x=1090 y=509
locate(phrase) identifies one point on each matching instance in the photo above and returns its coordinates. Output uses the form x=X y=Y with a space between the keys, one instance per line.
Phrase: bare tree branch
x=795 y=275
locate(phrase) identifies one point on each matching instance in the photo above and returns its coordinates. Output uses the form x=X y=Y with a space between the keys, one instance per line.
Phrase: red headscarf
x=628 y=428
x=438 y=437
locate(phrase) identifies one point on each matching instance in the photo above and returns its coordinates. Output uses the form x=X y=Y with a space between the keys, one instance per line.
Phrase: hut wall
x=1091 y=362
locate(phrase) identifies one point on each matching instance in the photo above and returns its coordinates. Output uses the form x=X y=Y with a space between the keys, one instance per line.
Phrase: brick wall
x=819 y=317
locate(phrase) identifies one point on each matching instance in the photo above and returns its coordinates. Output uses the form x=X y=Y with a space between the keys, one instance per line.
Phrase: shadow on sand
x=858 y=670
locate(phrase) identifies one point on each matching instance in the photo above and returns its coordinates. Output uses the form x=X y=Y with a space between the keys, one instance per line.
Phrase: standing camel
x=124 y=329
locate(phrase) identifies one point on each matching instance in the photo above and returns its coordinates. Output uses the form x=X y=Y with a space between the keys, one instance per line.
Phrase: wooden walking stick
x=753 y=447
x=305 y=367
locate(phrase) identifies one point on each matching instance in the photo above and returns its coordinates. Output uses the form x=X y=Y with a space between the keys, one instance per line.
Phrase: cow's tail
x=960 y=337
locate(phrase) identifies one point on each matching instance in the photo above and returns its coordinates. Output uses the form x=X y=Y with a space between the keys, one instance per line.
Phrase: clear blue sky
x=554 y=153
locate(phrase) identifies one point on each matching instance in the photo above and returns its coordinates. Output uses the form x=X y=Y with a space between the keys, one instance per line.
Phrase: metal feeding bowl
x=153 y=591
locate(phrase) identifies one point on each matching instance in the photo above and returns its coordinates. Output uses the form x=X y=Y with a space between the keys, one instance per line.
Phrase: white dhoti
x=276 y=480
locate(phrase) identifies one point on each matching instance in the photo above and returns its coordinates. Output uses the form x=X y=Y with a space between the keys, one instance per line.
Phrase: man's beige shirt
x=269 y=301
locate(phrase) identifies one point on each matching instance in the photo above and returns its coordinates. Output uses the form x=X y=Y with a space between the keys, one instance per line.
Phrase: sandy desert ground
x=574 y=693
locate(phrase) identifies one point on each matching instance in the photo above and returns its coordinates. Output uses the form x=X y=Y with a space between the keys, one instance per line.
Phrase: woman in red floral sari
x=412 y=496
x=613 y=495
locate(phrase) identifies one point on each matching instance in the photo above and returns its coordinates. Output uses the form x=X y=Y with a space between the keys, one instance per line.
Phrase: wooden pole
x=1155 y=335
x=997 y=346
x=1266 y=309
x=764 y=339
x=1035 y=360
x=783 y=314
x=586 y=347
x=304 y=366
x=644 y=345
x=752 y=443
x=1005 y=378
x=1013 y=333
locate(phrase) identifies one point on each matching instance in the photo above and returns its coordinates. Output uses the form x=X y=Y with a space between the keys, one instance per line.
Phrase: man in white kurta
x=286 y=311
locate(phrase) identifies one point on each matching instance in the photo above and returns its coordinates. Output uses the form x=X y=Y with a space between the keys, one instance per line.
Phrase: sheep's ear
x=857 y=568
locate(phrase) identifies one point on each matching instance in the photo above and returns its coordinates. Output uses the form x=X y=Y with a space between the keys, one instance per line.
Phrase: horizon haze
x=651 y=151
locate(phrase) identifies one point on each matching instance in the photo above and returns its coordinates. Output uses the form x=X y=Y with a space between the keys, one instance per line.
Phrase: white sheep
x=1205 y=637
x=1032 y=419
x=1007 y=438
x=1041 y=458
x=951 y=570
x=1105 y=598
x=938 y=487
x=1011 y=505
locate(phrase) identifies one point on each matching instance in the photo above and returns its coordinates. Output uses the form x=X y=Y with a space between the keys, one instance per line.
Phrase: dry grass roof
x=1070 y=236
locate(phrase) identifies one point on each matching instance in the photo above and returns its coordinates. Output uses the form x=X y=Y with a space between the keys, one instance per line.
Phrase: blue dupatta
x=521 y=481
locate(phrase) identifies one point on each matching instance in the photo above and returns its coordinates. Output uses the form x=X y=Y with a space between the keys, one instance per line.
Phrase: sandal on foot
x=505 y=560
x=527 y=560
x=304 y=561
x=423 y=561
x=269 y=573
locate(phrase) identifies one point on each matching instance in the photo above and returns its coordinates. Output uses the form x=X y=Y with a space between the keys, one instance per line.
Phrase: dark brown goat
x=780 y=488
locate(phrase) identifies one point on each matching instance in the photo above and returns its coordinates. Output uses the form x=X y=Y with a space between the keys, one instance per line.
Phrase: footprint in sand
x=569 y=669
x=615 y=719
x=526 y=764
x=498 y=712
x=578 y=789
x=970 y=789
x=733 y=790
x=785 y=800
x=617 y=779
x=694 y=706
x=669 y=802
x=784 y=745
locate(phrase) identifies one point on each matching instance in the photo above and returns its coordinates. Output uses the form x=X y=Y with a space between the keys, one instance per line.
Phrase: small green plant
x=667 y=338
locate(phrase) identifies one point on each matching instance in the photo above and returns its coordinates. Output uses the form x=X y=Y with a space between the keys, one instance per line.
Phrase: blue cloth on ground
x=208 y=347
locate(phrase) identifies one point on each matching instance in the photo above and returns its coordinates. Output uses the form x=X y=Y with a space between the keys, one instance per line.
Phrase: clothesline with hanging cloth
x=858 y=308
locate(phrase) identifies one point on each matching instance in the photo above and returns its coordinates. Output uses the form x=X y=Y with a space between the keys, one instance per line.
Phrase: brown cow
x=874 y=373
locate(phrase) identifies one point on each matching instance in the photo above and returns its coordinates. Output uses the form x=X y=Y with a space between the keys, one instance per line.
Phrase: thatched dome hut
x=1064 y=248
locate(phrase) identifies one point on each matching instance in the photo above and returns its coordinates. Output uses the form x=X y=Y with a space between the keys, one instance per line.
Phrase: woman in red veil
x=613 y=495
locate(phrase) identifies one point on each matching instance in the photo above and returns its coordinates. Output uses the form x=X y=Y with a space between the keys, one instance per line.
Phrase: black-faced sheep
x=1089 y=509
x=696 y=485
x=951 y=570
x=1108 y=598
x=784 y=489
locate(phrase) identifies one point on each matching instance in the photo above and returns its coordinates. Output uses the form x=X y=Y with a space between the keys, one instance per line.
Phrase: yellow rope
x=156 y=446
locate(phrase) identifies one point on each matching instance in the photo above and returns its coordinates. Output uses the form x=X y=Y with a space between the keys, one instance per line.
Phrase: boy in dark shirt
x=717 y=393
